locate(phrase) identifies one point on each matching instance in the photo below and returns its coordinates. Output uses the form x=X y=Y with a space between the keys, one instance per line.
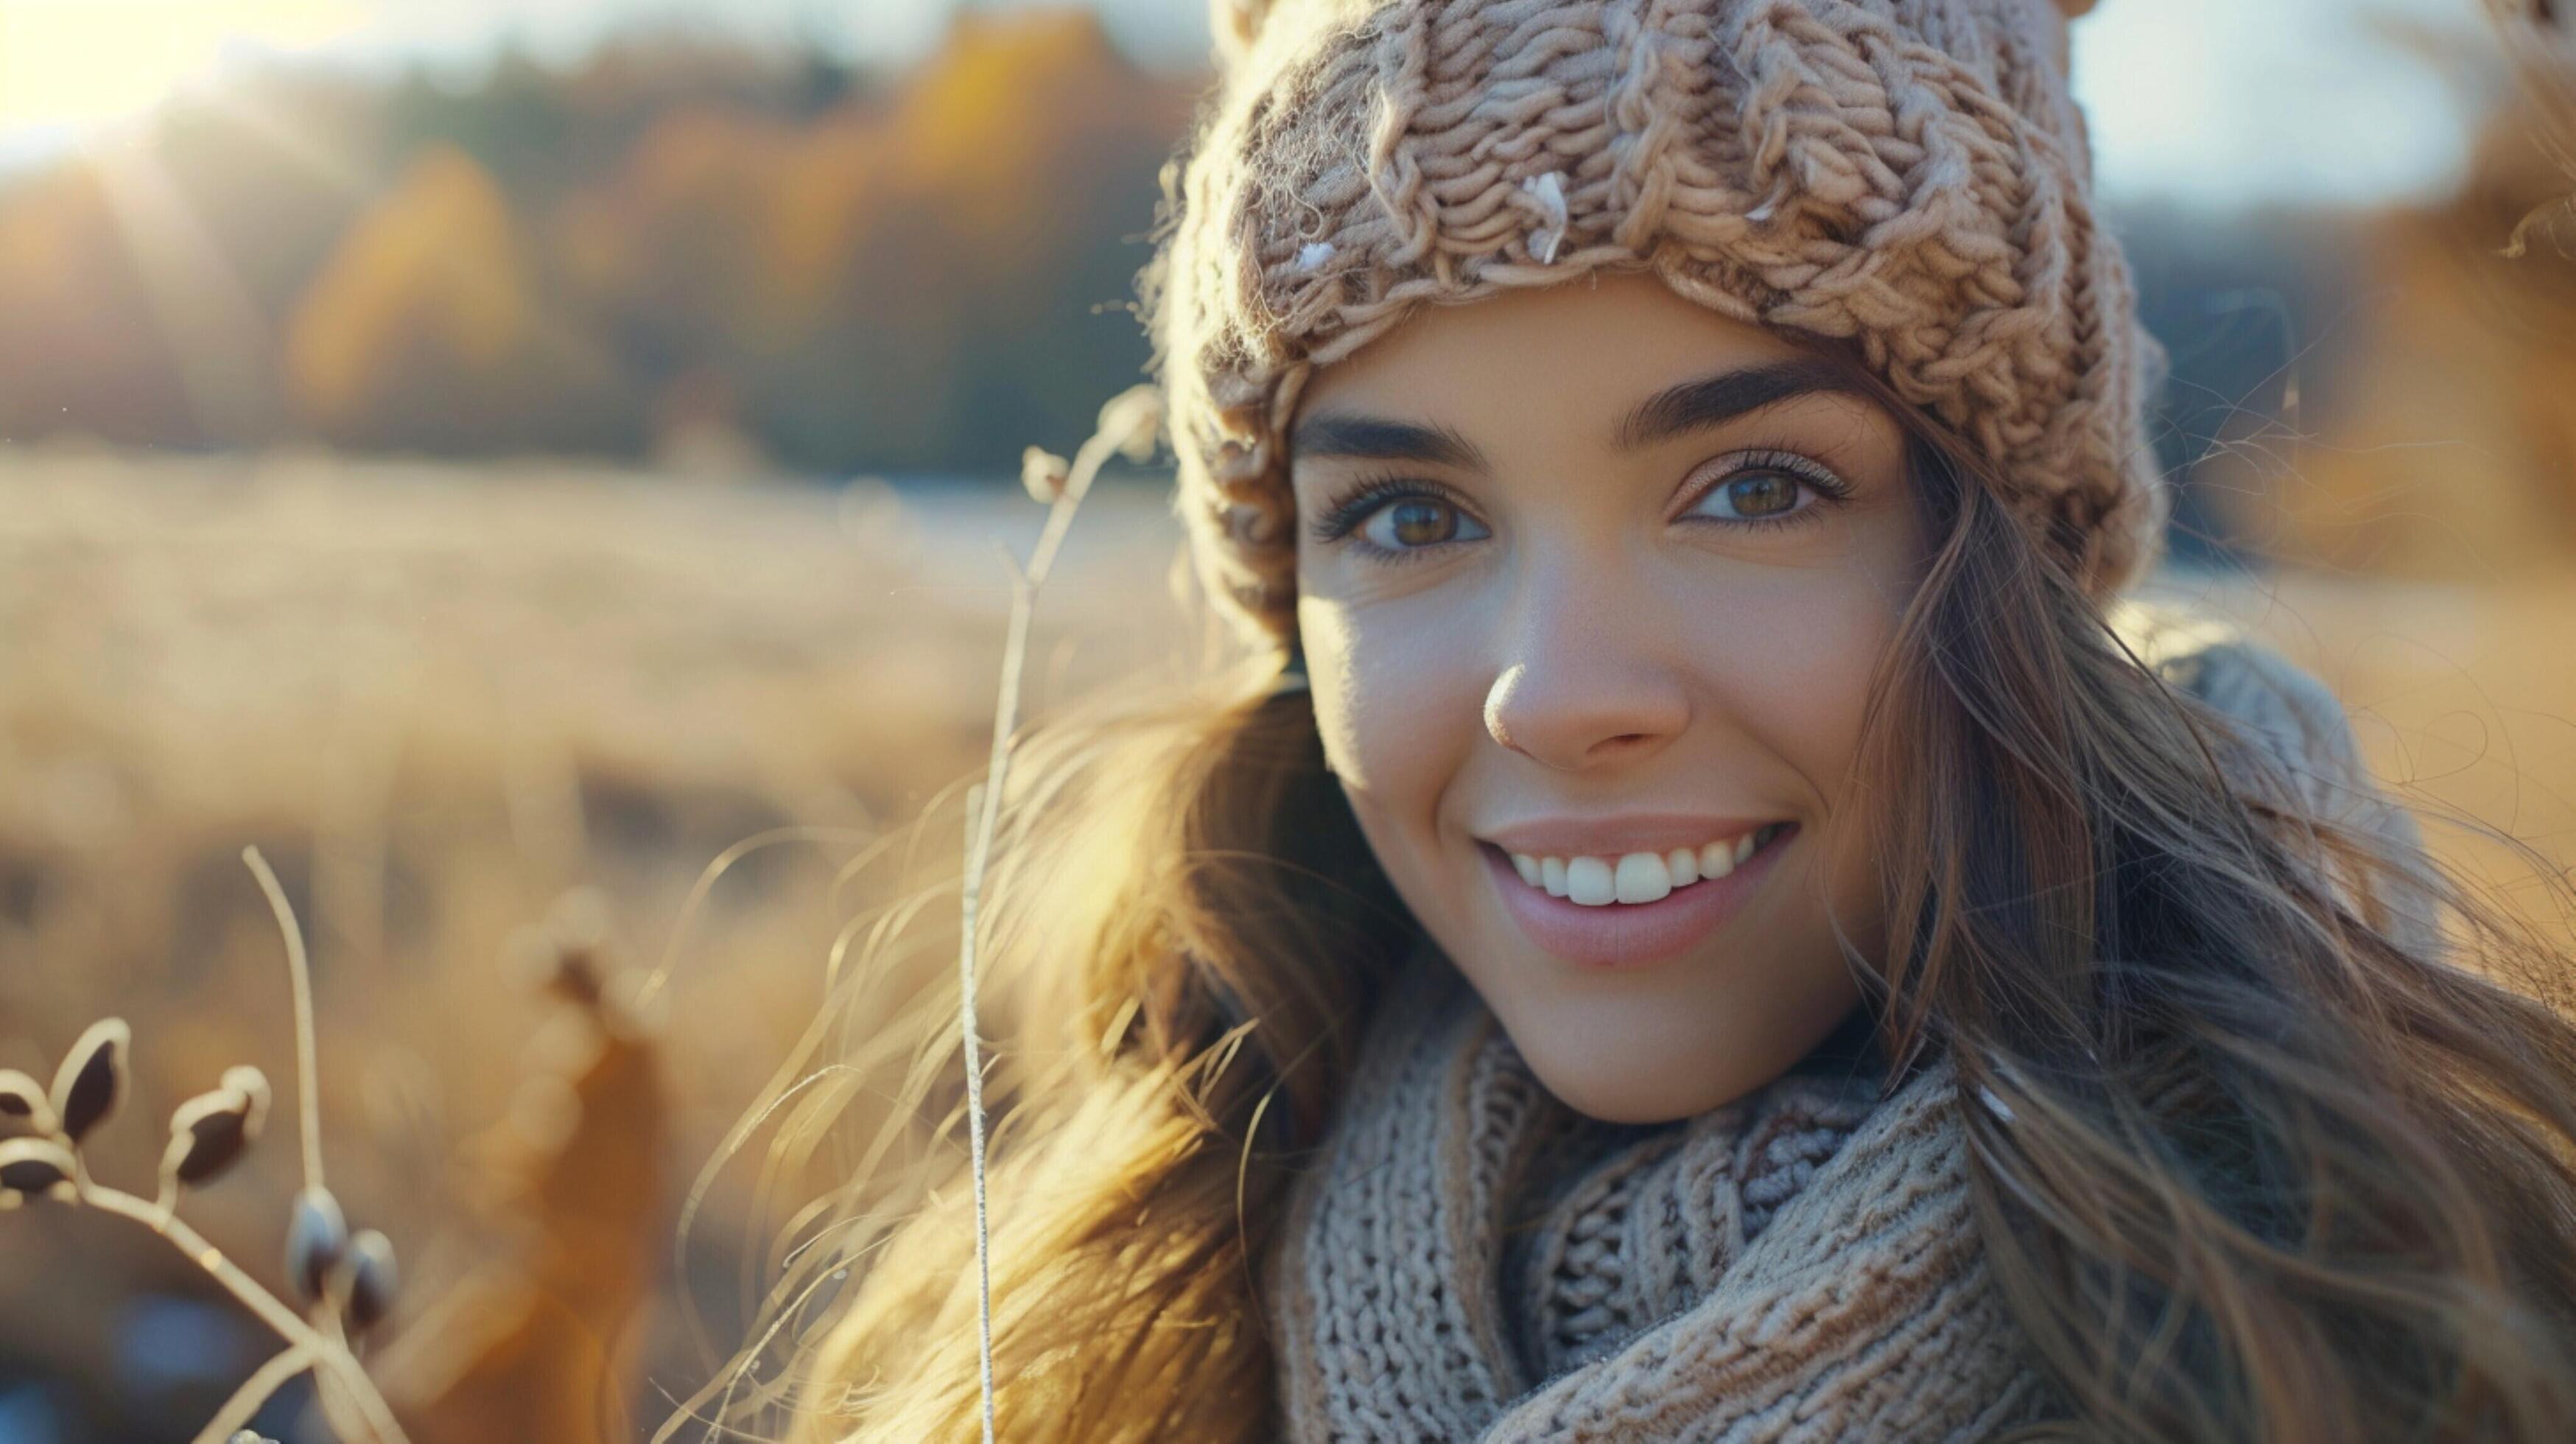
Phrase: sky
x=2213 y=103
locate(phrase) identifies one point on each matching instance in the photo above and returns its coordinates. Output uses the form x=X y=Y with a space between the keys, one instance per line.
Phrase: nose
x=1579 y=691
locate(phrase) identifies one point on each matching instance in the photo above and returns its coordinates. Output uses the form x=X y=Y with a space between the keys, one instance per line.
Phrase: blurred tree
x=1048 y=218
x=921 y=282
x=516 y=123
x=919 y=273
x=424 y=331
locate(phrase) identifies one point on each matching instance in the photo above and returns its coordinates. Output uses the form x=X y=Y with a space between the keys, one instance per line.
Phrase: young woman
x=1703 y=916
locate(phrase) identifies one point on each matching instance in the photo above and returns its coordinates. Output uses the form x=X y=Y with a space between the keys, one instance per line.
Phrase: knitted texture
x=1800 y=1264
x=1908 y=177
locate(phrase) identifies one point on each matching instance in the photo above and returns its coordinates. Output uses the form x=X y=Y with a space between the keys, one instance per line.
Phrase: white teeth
x=1588 y=881
x=1717 y=859
x=1642 y=878
x=1636 y=877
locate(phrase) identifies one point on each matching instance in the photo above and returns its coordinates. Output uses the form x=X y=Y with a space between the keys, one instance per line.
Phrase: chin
x=1631 y=1086
x=1618 y=1105
x=1694 y=1038
x=1635 y=1100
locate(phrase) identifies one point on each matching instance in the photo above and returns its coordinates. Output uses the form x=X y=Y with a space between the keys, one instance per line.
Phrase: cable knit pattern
x=1909 y=176
x=1800 y=1264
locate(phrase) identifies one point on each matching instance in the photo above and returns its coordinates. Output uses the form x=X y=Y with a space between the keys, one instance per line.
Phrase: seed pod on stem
x=1043 y=473
x=317 y=1238
x=22 y=1100
x=373 y=1279
x=210 y=1132
x=35 y=1168
x=1133 y=420
x=91 y=1081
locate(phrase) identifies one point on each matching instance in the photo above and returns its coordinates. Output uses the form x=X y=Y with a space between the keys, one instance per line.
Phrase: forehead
x=1580 y=353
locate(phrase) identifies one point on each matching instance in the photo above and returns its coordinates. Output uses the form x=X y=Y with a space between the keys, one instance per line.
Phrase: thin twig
x=243 y=1406
x=300 y=971
x=326 y=1340
x=978 y=843
x=295 y=1331
x=983 y=812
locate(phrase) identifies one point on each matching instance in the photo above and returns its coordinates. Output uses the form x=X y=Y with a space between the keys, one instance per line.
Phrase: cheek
x=1802 y=690
x=1396 y=706
x=1804 y=683
x=1797 y=672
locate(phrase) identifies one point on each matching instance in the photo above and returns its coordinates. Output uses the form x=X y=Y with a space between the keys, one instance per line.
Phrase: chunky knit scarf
x=1799 y=1264
x=1472 y=1259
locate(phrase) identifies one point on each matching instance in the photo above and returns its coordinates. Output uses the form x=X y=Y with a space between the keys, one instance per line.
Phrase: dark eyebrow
x=1371 y=438
x=1691 y=406
x=1716 y=400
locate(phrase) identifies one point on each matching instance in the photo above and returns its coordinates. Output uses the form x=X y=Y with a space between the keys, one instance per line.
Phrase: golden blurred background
x=497 y=463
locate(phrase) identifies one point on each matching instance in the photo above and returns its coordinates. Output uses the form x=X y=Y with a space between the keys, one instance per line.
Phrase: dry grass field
x=437 y=699
x=440 y=698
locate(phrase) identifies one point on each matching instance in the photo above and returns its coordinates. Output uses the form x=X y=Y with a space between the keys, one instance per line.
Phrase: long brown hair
x=2270 y=1124
x=2261 y=1150
x=1186 y=928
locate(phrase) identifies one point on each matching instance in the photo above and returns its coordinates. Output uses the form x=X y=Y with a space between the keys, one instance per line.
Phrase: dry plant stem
x=330 y=1347
x=984 y=810
x=239 y=1409
x=978 y=841
x=300 y=974
x=299 y=1335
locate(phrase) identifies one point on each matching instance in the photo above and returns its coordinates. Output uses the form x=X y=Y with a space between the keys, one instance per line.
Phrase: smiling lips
x=1631 y=909
x=1639 y=877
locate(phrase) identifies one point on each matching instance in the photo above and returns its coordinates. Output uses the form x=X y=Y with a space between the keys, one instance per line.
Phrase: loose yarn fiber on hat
x=1907 y=177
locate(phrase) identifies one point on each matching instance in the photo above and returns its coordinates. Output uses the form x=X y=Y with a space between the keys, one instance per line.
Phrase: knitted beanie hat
x=1907 y=177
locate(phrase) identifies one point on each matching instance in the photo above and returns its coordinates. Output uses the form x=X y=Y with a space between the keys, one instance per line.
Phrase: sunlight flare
x=75 y=64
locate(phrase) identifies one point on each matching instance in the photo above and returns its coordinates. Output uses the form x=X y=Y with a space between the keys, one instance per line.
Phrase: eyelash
x=1366 y=497
x=1343 y=517
x=1828 y=488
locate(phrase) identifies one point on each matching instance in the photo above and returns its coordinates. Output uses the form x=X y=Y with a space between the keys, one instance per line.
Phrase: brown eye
x=1412 y=523
x=1762 y=495
x=1422 y=523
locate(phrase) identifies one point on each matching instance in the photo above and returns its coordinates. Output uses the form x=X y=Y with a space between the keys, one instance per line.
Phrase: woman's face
x=1592 y=583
